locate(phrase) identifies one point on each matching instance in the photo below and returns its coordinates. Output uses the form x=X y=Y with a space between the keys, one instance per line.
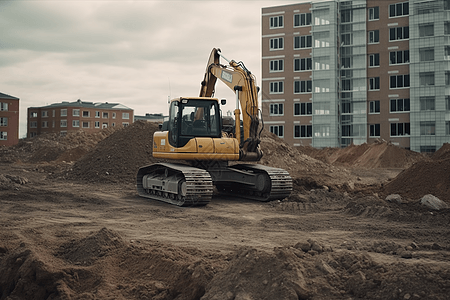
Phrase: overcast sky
x=137 y=53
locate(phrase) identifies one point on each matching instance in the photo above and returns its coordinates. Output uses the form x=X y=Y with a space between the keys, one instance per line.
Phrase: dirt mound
x=442 y=153
x=380 y=154
x=118 y=157
x=305 y=170
x=306 y=270
x=422 y=178
x=50 y=147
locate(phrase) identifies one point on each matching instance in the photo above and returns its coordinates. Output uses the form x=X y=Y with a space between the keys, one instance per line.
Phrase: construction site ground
x=73 y=227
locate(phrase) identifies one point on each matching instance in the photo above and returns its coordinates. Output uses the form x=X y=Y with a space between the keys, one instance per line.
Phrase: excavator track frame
x=195 y=186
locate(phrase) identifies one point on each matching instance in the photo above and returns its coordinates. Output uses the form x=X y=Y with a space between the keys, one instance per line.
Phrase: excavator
x=206 y=149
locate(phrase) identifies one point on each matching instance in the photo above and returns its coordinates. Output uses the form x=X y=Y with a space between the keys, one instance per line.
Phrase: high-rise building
x=9 y=120
x=78 y=115
x=336 y=73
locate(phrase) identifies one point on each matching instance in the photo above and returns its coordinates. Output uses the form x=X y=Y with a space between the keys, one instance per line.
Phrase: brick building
x=72 y=116
x=9 y=120
x=341 y=72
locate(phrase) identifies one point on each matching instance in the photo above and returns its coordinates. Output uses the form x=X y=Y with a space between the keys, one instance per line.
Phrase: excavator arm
x=243 y=83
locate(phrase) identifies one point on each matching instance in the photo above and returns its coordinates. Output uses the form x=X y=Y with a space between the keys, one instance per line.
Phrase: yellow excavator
x=196 y=135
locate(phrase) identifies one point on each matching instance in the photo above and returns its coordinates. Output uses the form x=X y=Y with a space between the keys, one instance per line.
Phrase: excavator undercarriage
x=185 y=185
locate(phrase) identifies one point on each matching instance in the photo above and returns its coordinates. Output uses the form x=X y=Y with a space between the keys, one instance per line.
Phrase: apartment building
x=336 y=73
x=9 y=120
x=72 y=116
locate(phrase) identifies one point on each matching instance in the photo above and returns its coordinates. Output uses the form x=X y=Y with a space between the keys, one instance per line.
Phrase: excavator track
x=277 y=184
x=176 y=184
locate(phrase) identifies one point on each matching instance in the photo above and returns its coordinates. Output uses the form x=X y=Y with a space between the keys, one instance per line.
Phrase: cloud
x=137 y=53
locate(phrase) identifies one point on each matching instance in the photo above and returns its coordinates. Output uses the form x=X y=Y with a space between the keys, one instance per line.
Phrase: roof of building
x=5 y=96
x=86 y=104
x=149 y=117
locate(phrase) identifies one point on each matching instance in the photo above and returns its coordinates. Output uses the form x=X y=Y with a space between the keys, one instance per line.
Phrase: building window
x=302 y=109
x=63 y=133
x=3 y=122
x=447 y=102
x=447 y=78
x=276 y=65
x=347 y=39
x=113 y=115
x=64 y=112
x=346 y=16
x=276 y=22
x=97 y=114
x=302 y=131
x=33 y=134
x=3 y=135
x=399 y=57
x=276 y=109
x=125 y=124
x=302 y=20
x=97 y=124
x=76 y=113
x=426 y=54
x=399 y=81
x=33 y=114
x=105 y=115
x=125 y=116
x=53 y=124
x=374 y=83
x=399 y=33
x=76 y=123
x=447 y=128
x=3 y=106
x=276 y=44
x=427 y=103
x=427 y=128
x=374 y=60
x=44 y=124
x=427 y=149
x=86 y=124
x=398 y=9
x=276 y=87
x=44 y=114
x=105 y=125
x=399 y=105
x=278 y=130
x=426 y=30
x=374 y=36
x=86 y=113
x=53 y=113
x=374 y=13
x=302 y=86
x=63 y=123
x=426 y=78
x=302 y=64
x=374 y=107
x=374 y=130
x=400 y=129
x=301 y=42
x=33 y=124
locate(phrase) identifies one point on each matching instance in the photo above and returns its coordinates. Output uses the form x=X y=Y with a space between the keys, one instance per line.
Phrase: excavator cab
x=193 y=117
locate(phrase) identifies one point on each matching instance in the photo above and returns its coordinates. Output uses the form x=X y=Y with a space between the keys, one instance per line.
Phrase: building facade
x=9 y=120
x=65 y=117
x=336 y=73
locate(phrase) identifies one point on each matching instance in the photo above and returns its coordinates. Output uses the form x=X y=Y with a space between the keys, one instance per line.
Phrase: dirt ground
x=73 y=227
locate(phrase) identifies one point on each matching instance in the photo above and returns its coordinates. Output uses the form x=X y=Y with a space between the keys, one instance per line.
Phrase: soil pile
x=118 y=157
x=152 y=270
x=380 y=154
x=50 y=147
x=442 y=153
x=422 y=178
